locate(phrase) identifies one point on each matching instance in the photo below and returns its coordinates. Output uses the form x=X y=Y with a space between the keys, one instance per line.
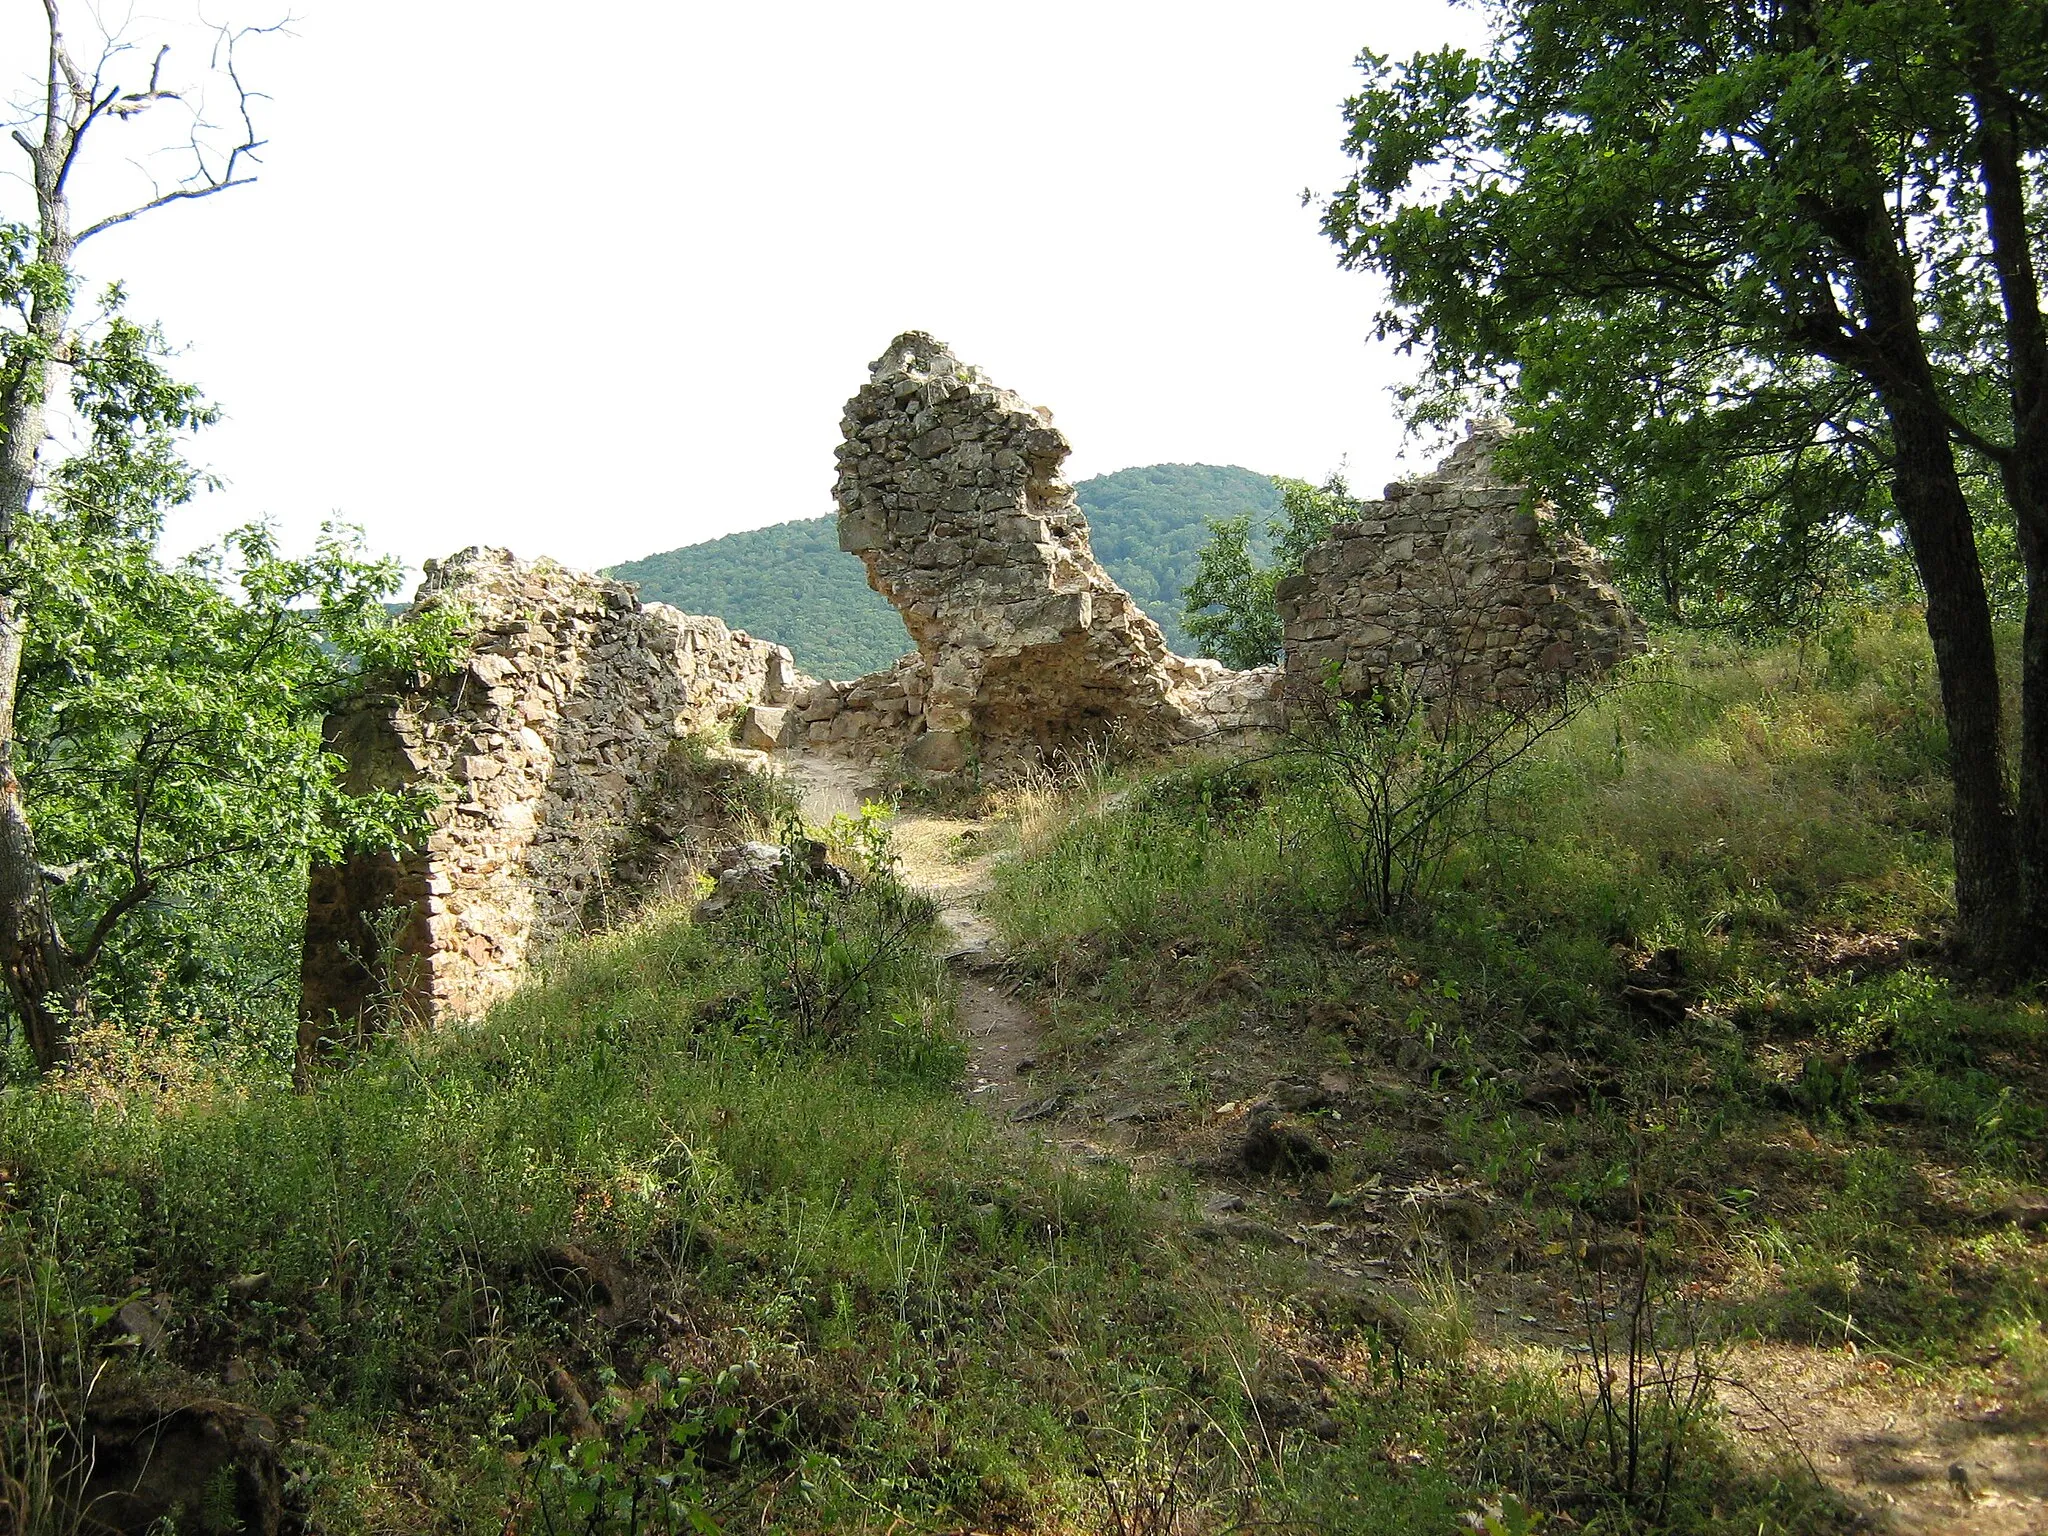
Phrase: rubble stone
x=539 y=748
x=765 y=726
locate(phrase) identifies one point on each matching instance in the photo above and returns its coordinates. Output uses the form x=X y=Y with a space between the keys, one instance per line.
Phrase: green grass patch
x=838 y=1294
x=1680 y=975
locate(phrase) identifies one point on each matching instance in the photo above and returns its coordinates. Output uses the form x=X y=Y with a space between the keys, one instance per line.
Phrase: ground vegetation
x=1664 y=1017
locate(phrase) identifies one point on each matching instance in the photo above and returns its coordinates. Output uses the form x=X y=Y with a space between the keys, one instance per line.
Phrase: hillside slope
x=1150 y=523
x=791 y=583
x=1649 y=1173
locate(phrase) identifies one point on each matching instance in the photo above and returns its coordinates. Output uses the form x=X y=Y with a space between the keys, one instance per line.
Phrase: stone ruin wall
x=543 y=744
x=1456 y=586
x=950 y=491
x=547 y=744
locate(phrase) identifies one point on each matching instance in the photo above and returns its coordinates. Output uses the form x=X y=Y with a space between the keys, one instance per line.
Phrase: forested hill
x=1148 y=523
x=791 y=583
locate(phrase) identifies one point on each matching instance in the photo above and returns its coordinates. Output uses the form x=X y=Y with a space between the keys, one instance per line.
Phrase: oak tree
x=1805 y=232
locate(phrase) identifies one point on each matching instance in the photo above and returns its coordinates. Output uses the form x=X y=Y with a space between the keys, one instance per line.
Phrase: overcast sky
x=594 y=281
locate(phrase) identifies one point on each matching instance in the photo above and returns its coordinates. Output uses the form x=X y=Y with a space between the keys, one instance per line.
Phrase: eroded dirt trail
x=1921 y=1461
x=949 y=858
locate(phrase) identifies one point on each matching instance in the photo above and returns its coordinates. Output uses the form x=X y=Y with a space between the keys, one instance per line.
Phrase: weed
x=642 y=1474
x=1402 y=774
x=1645 y=1387
x=1438 y=1325
x=833 y=942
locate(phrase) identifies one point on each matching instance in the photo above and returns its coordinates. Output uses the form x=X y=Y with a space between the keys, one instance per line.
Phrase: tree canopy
x=1761 y=279
x=166 y=717
x=1229 y=606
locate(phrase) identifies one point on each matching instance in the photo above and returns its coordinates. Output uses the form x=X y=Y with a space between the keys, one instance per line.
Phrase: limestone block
x=937 y=752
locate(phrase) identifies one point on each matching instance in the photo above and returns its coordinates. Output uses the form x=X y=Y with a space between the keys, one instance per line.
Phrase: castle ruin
x=950 y=492
x=539 y=751
x=1454 y=586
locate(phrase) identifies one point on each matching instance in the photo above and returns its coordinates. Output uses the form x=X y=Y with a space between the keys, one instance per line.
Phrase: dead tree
x=71 y=105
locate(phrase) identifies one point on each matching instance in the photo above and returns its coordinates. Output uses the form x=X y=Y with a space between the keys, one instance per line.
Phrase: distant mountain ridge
x=790 y=582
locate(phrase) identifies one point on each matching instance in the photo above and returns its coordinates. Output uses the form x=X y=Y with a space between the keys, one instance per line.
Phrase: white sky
x=594 y=281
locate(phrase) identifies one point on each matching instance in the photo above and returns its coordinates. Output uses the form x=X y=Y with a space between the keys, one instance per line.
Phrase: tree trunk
x=1927 y=492
x=2025 y=471
x=1929 y=496
x=2032 y=807
x=43 y=980
x=43 y=977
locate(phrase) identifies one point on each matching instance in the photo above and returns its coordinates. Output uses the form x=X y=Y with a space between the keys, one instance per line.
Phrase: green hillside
x=791 y=583
x=1148 y=523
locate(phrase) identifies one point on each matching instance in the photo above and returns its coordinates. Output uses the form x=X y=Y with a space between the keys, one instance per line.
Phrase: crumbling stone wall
x=1457 y=586
x=950 y=492
x=875 y=715
x=541 y=746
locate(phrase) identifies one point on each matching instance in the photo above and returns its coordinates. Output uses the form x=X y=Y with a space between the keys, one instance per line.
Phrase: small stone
x=1660 y=1005
x=161 y=1454
x=1460 y=1220
x=1272 y=1146
x=1559 y=1095
x=2027 y=1215
x=937 y=752
x=143 y=1321
x=1411 y=1055
x=1299 y=1097
x=764 y=727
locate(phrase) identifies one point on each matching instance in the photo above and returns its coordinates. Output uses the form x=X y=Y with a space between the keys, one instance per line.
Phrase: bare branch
x=181 y=194
x=205 y=180
x=141 y=101
x=61 y=55
x=52 y=90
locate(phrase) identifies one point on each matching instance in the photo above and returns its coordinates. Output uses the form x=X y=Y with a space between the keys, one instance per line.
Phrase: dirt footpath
x=1917 y=1459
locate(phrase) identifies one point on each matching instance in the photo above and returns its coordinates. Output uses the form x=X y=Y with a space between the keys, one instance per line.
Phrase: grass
x=697 y=1230
x=859 y=1306
x=640 y=1252
x=1680 y=986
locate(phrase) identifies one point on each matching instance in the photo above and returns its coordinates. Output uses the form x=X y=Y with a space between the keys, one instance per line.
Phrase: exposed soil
x=1918 y=1460
x=949 y=858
